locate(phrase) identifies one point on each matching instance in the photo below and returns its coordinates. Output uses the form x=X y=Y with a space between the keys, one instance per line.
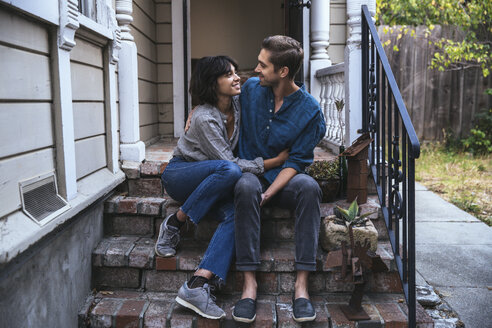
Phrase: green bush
x=479 y=142
x=324 y=170
x=473 y=17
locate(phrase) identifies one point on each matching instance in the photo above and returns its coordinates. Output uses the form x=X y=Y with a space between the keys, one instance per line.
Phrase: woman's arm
x=209 y=133
x=213 y=144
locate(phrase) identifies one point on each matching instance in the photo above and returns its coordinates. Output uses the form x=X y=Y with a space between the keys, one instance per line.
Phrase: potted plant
x=326 y=173
x=336 y=228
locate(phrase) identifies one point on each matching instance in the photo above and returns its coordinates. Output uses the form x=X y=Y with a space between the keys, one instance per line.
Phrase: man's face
x=266 y=70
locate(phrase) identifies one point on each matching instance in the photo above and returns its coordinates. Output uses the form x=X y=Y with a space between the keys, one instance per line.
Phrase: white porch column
x=131 y=148
x=353 y=68
x=320 y=36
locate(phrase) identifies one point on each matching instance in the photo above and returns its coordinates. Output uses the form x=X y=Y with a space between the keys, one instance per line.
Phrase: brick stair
x=134 y=288
x=129 y=262
x=158 y=309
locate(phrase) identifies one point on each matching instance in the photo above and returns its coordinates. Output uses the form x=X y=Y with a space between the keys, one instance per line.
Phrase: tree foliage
x=472 y=17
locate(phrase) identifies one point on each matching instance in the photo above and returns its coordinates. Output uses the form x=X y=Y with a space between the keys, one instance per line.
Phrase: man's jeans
x=203 y=187
x=301 y=195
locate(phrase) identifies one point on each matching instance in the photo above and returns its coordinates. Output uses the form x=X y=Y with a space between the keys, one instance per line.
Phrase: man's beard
x=265 y=83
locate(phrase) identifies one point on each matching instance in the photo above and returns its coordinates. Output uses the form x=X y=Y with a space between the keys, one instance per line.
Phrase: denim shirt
x=298 y=125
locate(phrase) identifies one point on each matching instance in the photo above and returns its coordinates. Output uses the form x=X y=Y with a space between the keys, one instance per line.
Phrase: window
x=88 y=8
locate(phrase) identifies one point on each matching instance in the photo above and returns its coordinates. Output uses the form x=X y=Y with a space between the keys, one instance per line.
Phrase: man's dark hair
x=285 y=51
x=203 y=84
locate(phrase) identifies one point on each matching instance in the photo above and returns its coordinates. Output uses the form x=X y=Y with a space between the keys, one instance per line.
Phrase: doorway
x=236 y=28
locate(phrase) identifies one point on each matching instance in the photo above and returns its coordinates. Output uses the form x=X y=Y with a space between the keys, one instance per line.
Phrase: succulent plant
x=339 y=104
x=352 y=214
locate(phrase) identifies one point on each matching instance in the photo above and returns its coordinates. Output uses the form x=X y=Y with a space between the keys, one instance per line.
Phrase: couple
x=274 y=125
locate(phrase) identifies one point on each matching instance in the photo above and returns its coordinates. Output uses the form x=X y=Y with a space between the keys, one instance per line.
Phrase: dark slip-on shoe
x=303 y=310
x=245 y=310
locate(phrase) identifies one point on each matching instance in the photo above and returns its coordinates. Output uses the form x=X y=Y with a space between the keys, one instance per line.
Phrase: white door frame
x=179 y=92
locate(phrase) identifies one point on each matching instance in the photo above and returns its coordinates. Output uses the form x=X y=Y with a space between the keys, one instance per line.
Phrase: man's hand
x=265 y=197
x=280 y=181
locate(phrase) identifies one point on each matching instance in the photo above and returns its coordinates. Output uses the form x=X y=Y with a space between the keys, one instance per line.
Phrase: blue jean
x=203 y=187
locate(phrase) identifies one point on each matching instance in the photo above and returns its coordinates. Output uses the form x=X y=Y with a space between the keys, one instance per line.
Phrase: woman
x=202 y=175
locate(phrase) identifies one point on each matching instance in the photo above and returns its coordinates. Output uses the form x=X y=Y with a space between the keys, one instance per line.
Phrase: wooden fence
x=436 y=101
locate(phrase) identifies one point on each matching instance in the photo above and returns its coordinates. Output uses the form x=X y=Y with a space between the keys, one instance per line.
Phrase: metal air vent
x=40 y=199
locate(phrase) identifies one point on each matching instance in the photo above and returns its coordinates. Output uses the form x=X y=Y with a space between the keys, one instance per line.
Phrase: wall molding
x=69 y=24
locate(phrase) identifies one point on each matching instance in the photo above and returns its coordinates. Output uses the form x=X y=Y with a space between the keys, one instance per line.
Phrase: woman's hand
x=188 y=121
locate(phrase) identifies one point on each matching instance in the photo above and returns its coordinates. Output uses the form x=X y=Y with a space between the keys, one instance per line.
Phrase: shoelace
x=209 y=294
x=216 y=284
x=171 y=236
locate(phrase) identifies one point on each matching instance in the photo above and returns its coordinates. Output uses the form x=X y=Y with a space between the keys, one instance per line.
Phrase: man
x=278 y=114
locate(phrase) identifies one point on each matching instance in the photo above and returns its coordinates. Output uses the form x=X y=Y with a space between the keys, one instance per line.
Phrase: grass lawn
x=460 y=178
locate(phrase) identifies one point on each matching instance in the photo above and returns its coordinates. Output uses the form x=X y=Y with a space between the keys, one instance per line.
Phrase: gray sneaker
x=168 y=239
x=200 y=300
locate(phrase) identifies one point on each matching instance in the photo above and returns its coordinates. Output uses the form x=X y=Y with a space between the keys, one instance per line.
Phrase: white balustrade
x=332 y=81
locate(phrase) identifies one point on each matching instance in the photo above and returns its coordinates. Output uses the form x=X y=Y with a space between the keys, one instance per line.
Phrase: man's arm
x=280 y=181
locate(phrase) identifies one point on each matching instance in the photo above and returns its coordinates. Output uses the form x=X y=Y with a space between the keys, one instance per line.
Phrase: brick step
x=157 y=310
x=144 y=179
x=130 y=262
x=142 y=216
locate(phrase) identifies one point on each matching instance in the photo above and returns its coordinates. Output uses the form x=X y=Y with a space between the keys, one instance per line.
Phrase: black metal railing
x=392 y=154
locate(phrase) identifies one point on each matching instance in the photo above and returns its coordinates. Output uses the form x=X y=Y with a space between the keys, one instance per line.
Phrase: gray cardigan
x=207 y=138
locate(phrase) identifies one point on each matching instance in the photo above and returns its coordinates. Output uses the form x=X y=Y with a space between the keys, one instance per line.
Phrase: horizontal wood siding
x=25 y=75
x=19 y=168
x=25 y=127
x=88 y=119
x=18 y=31
x=87 y=83
x=144 y=32
x=90 y=155
x=88 y=107
x=26 y=114
x=148 y=114
x=338 y=31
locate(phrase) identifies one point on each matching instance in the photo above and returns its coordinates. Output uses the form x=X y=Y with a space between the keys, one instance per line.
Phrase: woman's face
x=229 y=84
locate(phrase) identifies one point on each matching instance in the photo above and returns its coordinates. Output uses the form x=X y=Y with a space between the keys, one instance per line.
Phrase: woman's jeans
x=203 y=187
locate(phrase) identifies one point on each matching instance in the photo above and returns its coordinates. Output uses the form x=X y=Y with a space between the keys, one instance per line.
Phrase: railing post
x=386 y=117
x=131 y=148
x=353 y=69
x=320 y=35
